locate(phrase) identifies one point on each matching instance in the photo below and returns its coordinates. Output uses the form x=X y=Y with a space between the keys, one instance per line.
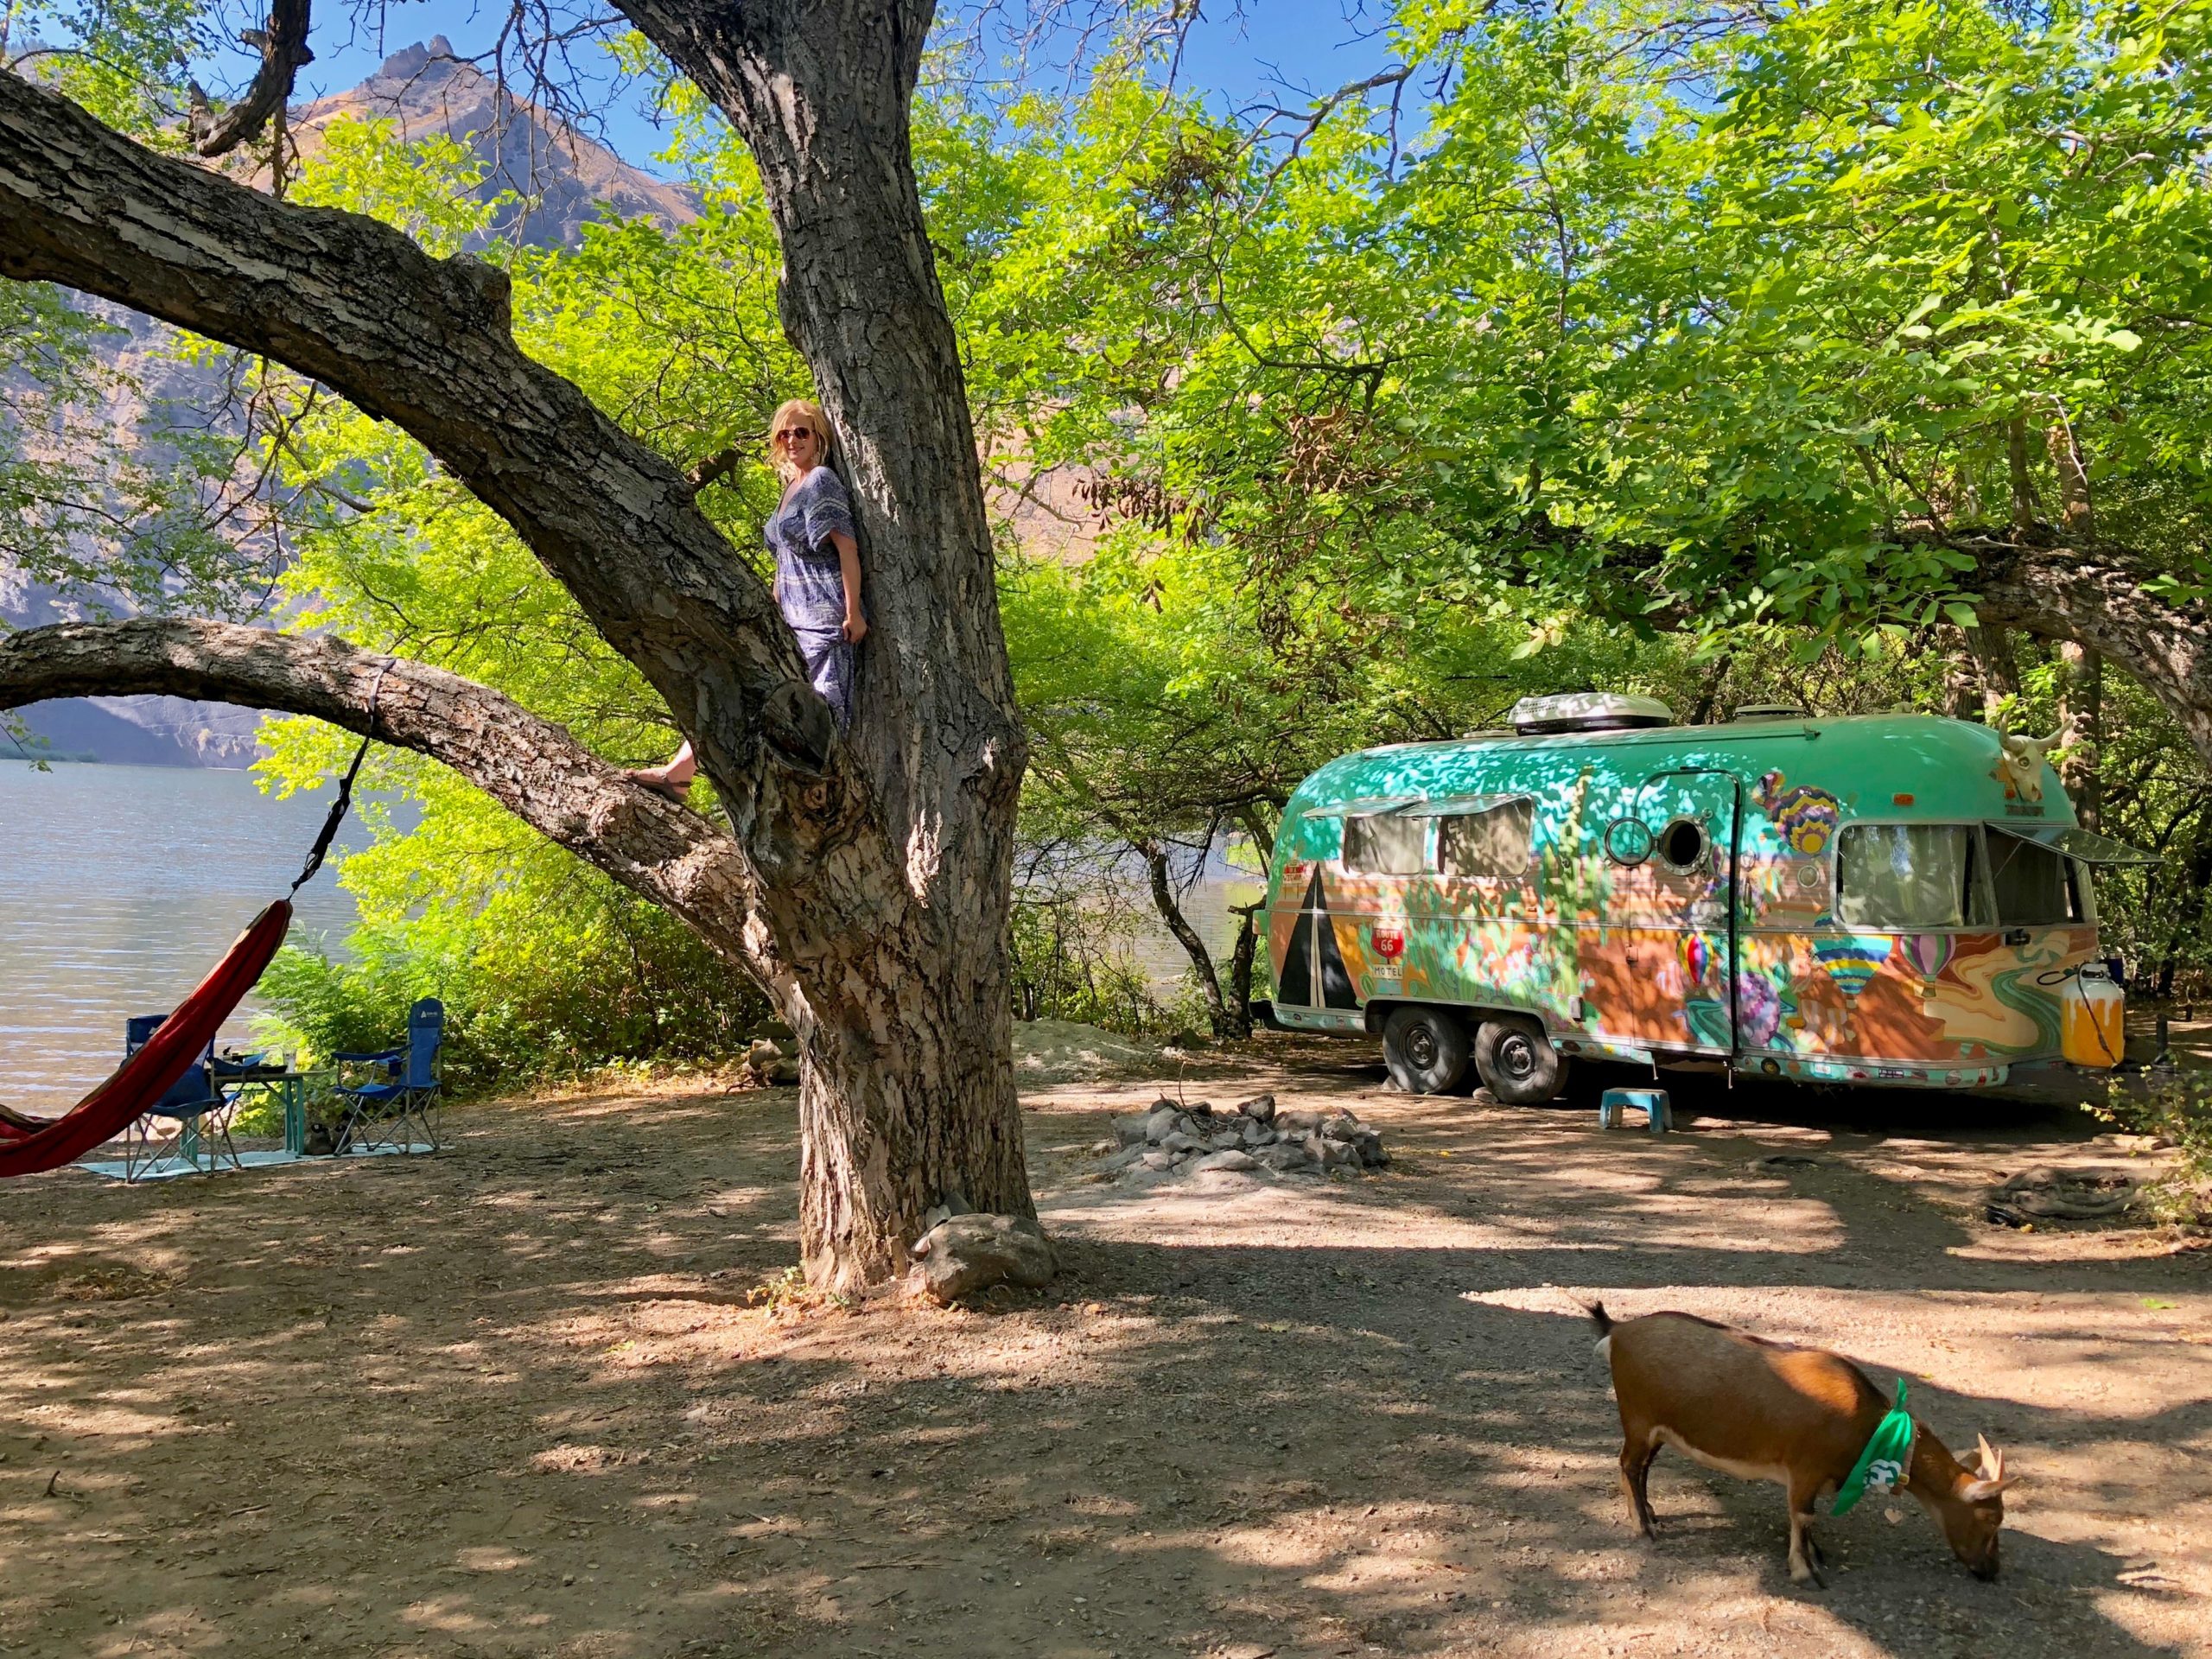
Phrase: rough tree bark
x=1997 y=670
x=876 y=869
x=2081 y=725
x=2097 y=594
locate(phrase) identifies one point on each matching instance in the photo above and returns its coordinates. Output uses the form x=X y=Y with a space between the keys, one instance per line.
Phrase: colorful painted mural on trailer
x=1887 y=899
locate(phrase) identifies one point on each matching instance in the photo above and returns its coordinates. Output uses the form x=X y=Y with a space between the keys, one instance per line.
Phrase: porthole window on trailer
x=1681 y=845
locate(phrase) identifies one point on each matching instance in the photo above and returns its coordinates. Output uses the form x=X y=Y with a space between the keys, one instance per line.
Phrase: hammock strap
x=345 y=790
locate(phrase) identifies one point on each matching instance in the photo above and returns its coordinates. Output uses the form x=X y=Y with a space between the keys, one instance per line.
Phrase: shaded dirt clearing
x=511 y=1401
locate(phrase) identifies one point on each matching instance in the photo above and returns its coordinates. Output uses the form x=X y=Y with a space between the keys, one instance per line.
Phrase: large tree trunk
x=821 y=94
x=876 y=868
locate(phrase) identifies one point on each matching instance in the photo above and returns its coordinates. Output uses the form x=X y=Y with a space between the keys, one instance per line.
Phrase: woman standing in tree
x=817 y=571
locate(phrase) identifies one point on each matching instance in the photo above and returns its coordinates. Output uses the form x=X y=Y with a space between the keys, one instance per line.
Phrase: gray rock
x=1298 y=1123
x=1200 y=1109
x=1125 y=1158
x=1156 y=1159
x=954 y=1203
x=1175 y=1140
x=1164 y=1105
x=1227 y=1141
x=1158 y=1123
x=1288 y=1157
x=1338 y=1129
x=1260 y=1109
x=1484 y=1098
x=1257 y=1133
x=1339 y=1155
x=1370 y=1149
x=1347 y=1114
x=1231 y=1161
x=972 y=1252
x=1130 y=1131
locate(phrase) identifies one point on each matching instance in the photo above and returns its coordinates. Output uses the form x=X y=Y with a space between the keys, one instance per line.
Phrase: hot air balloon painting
x=1853 y=961
x=1928 y=953
x=1758 y=1009
x=1695 y=956
x=1804 y=817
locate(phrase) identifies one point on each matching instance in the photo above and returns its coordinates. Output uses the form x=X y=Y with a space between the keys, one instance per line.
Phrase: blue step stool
x=1652 y=1103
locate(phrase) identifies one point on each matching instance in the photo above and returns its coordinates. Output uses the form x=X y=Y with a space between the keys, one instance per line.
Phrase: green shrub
x=646 y=991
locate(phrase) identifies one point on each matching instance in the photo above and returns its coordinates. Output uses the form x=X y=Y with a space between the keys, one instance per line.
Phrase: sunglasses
x=794 y=435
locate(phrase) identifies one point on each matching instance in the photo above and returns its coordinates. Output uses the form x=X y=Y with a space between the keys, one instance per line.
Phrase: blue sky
x=1310 y=46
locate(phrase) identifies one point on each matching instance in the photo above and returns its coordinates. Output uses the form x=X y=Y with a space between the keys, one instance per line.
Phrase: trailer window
x=1494 y=842
x=1386 y=844
x=1908 y=875
x=2036 y=886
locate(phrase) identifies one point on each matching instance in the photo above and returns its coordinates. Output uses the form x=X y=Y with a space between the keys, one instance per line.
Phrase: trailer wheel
x=1517 y=1062
x=1425 y=1049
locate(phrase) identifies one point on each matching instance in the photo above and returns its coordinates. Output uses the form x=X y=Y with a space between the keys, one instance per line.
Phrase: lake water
x=119 y=887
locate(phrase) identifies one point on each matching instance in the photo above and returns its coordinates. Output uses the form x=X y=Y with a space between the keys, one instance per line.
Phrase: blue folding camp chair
x=197 y=1112
x=386 y=1113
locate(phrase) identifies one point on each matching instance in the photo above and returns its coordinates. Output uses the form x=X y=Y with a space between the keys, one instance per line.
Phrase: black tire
x=1425 y=1049
x=1517 y=1062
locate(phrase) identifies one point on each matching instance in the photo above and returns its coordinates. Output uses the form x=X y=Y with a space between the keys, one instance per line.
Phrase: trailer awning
x=1367 y=806
x=2085 y=844
x=1452 y=806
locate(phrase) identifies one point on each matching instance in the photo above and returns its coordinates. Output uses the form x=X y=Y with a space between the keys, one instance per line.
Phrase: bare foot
x=661 y=784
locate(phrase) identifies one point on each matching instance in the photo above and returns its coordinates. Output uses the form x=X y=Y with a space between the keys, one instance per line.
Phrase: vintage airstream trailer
x=1883 y=898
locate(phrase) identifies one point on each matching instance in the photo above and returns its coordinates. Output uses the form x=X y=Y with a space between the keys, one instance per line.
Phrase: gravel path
x=513 y=1400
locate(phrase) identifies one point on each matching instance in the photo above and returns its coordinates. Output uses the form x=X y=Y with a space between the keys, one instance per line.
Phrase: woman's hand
x=848 y=567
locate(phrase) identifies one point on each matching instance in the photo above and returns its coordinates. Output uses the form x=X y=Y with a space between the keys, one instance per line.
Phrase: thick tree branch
x=2096 y=594
x=536 y=771
x=284 y=52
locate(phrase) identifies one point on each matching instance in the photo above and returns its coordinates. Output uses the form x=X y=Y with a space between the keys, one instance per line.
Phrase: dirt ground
x=511 y=1400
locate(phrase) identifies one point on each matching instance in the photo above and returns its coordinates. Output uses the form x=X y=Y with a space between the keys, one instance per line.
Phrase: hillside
x=562 y=179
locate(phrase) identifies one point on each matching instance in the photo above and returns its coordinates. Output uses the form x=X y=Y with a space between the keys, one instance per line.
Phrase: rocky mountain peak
x=562 y=179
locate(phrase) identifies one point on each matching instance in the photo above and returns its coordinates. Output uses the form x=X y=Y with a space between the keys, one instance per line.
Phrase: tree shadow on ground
x=502 y=1402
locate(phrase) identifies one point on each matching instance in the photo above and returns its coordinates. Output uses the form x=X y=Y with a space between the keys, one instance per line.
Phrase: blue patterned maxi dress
x=810 y=584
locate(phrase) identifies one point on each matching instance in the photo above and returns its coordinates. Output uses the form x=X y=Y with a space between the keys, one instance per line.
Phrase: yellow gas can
x=2092 y=1018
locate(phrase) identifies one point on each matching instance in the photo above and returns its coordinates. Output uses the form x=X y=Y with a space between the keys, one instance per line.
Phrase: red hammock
x=31 y=1144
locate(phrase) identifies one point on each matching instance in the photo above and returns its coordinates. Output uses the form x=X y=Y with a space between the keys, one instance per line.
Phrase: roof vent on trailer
x=1771 y=711
x=1587 y=711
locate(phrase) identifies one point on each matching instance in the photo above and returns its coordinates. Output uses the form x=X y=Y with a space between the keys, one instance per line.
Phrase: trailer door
x=1689 y=885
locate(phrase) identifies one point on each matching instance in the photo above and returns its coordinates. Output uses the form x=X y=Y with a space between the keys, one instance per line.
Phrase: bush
x=645 y=990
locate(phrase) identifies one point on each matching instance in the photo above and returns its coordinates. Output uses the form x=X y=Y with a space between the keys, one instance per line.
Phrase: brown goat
x=1763 y=1410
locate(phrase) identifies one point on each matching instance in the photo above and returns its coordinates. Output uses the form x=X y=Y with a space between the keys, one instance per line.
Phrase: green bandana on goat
x=1881 y=1468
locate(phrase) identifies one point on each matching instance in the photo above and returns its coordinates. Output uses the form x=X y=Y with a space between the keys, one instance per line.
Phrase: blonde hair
x=811 y=413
